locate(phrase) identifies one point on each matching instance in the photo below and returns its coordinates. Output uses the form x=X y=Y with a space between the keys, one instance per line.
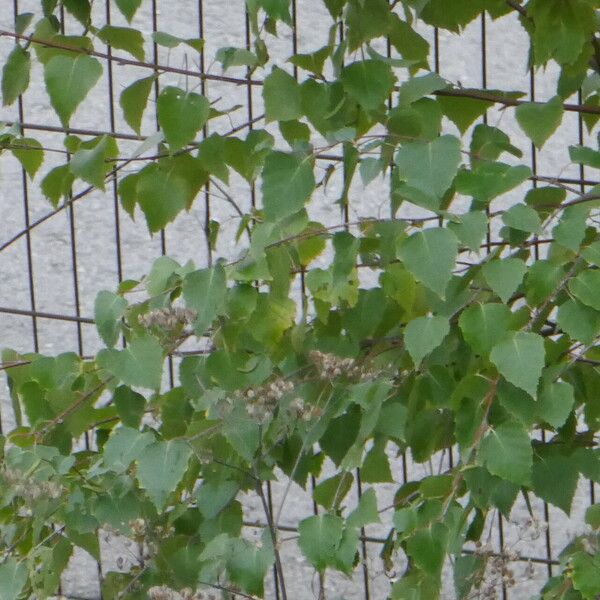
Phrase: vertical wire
x=346 y=217
x=537 y=256
x=25 y=187
x=484 y=78
x=484 y=83
x=163 y=235
x=112 y=119
x=436 y=64
x=393 y=216
x=203 y=85
x=73 y=236
x=582 y=188
x=250 y=115
x=249 y=98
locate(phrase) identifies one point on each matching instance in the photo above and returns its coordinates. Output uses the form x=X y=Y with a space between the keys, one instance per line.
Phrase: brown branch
x=130 y=62
x=455 y=92
x=12 y=365
x=498 y=99
x=516 y=6
x=273 y=531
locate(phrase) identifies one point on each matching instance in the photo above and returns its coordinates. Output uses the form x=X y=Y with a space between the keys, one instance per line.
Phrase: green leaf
x=313 y=62
x=243 y=434
x=376 y=465
x=490 y=180
x=555 y=403
x=468 y=568
x=586 y=574
x=320 y=537
x=427 y=169
x=29 y=153
x=417 y=87
x=539 y=121
x=430 y=256
x=133 y=101
x=585 y=288
x=123 y=447
x=561 y=30
x=57 y=184
x=181 y=115
x=369 y=82
x=592 y=253
x=281 y=94
x=463 y=111
x=69 y=79
x=213 y=496
x=247 y=565
x=550 y=467
x=13 y=575
x=407 y=41
x=161 y=467
x=109 y=309
x=128 y=8
x=470 y=228
x=162 y=194
x=523 y=218
x=592 y=516
x=578 y=321
x=330 y=493
x=124 y=38
x=504 y=276
x=488 y=143
x=461 y=13
x=22 y=22
x=90 y=164
x=506 y=452
x=520 y=359
x=204 y=291
x=427 y=547
x=541 y=280
x=80 y=9
x=139 y=365
x=288 y=181
x=366 y=21
x=366 y=512
x=571 y=228
x=236 y=57
x=483 y=324
x=15 y=75
x=423 y=335
x=276 y=9
x=585 y=156
x=130 y=406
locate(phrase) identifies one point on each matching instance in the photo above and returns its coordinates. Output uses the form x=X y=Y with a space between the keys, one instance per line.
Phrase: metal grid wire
x=52 y=262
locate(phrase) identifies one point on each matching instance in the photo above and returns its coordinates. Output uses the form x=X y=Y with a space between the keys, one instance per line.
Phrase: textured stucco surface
x=94 y=239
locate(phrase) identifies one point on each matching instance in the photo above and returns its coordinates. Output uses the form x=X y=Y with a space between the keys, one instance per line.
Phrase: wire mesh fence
x=53 y=261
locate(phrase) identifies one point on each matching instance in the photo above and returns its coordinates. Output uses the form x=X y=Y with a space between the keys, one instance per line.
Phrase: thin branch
x=499 y=99
x=455 y=92
x=129 y=62
x=273 y=531
x=520 y=9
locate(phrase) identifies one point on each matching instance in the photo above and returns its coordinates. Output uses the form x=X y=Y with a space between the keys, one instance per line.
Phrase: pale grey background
x=94 y=240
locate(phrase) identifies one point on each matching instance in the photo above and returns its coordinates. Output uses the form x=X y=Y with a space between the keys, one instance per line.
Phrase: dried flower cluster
x=168 y=318
x=141 y=528
x=166 y=593
x=262 y=401
x=330 y=366
x=498 y=572
x=28 y=488
x=303 y=411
